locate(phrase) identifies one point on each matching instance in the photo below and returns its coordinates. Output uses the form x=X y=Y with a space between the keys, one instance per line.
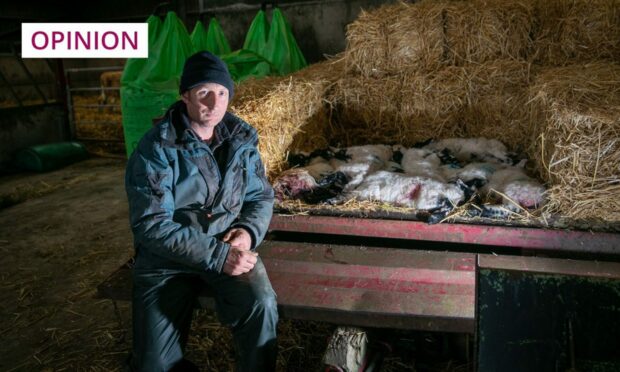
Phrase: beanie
x=204 y=67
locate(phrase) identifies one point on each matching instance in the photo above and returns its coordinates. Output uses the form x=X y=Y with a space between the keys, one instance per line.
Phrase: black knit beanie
x=204 y=67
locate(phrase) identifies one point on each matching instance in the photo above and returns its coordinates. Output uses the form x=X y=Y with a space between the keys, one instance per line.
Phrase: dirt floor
x=64 y=232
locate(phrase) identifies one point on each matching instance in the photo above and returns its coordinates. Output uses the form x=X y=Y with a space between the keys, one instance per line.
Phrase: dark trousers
x=163 y=302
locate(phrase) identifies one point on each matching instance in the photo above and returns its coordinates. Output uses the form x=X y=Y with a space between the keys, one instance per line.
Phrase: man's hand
x=239 y=261
x=238 y=237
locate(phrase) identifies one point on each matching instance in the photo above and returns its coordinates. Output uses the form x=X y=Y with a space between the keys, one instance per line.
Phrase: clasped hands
x=240 y=258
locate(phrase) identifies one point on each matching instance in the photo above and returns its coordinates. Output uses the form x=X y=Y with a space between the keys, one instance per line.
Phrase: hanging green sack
x=282 y=49
x=243 y=64
x=163 y=69
x=216 y=40
x=256 y=38
x=199 y=37
x=133 y=66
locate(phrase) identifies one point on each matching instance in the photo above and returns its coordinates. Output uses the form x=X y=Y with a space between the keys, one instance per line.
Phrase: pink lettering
x=105 y=37
x=126 y=38
x=57 y=37
x=79 y=37
x=34 y=36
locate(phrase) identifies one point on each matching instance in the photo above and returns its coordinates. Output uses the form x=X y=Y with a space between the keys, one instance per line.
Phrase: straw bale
x=288 y=112
x=497 y=106
x=576 y=31
x=579 y=138
x=366 y=110
x=110 y=79
x=396 y=36
x=96 y=122
x=416 y=37
x=406 y=108
x=431 y=103
x=484 y=30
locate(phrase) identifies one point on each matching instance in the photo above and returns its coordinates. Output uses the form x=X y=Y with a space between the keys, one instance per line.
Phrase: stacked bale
x=480 y=68
x=576 y=31
x=365 y=110
x=396 y=37
x=497 y=103
x=486 y=30
x=579 y=138
x=289 y=112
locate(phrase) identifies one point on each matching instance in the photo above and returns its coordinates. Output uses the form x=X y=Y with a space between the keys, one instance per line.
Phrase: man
x=199 y=206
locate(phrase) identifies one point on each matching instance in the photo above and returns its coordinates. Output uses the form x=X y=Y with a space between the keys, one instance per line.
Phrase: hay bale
x=576 y=31
x=365 y=110
x=484 y=30
x=497 y=104
x=289 y=112
x=110 y=79
x=406 y=108
x=431 y=103
x=579 y=147
x=395 y=36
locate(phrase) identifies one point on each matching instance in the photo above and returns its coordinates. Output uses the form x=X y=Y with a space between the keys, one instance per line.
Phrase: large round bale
x=289 y=112
x=579 y=148
x=497 y=103
x=396 y=36
x=485 y=30
x=576 y=31
x=365 y=110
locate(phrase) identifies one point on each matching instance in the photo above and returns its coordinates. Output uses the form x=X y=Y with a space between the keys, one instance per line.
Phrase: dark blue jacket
x=180 y=203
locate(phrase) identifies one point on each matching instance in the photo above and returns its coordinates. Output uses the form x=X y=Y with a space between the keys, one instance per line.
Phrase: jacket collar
x=179 y=132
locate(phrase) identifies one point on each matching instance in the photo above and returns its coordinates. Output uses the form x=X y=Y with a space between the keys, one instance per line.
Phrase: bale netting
x=485 y=30
x=396 y=36
x=289 y=112
x=497 y=103
x=579 y=142
x=576 y=31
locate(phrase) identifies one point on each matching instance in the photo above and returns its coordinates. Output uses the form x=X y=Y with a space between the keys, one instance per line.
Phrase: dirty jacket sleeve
x=257 y=209
x=149 y=186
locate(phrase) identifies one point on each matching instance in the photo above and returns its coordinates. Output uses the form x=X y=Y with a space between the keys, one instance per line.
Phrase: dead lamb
x=517 y=187
x=468 y=150
x=416 y=192
x=360 y=161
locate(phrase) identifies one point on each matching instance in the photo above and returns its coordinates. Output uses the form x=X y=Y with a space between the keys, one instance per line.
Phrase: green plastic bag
x=257 y=36
x=44 y=158
x=163 y=69
x=139 y=108
x=134 y=66
x=199 y=37
x=282 y=49
x=216 y=40
x=243 y=64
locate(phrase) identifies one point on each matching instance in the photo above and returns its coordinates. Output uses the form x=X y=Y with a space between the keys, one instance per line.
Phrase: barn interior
x=448 y=287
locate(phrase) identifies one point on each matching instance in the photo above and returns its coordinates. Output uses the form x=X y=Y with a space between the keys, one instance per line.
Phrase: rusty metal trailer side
x=521 y=237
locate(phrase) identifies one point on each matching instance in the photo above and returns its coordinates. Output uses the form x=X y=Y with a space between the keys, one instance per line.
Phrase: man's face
x=206 y=103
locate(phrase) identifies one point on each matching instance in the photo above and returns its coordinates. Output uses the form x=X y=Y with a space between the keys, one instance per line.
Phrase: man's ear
x=185 y=97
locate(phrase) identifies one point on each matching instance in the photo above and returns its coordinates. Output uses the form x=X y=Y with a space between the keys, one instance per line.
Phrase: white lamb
x=410 y=191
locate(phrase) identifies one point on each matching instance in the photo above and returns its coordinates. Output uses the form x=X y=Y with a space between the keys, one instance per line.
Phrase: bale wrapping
x=578 y=109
